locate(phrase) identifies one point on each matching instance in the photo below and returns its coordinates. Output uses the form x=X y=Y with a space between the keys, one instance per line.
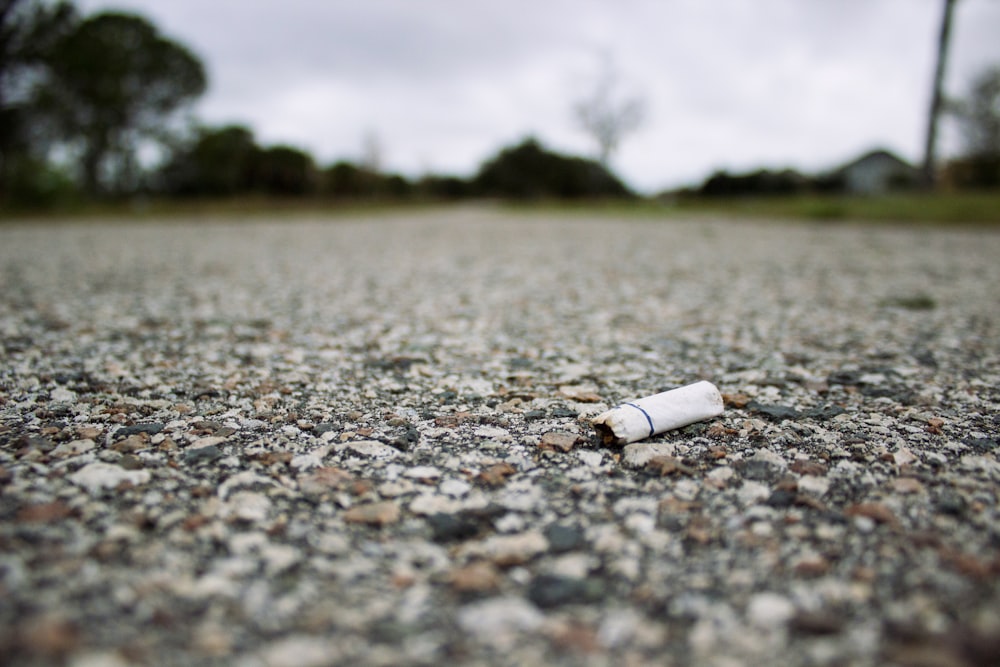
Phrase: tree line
x=84 y=101
x=98 y=107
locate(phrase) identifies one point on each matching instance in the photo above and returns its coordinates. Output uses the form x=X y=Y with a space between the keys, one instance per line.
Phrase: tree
x=28 y=29
x=283 y=170
x=979 y=118
x=979 y=114
x=114 y=82
x=937 y=94
x=606 y=117
x=219 y=163
x=528 y=171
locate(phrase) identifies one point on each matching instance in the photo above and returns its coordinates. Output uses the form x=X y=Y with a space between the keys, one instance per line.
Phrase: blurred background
x=450 y=99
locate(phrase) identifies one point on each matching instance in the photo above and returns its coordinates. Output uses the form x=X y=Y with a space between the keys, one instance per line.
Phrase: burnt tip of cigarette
x=607 y=435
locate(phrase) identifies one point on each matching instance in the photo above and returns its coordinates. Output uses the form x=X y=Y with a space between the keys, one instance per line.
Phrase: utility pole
x=937 y=96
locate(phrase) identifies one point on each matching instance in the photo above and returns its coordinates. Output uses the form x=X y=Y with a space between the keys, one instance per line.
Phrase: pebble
x=424 y=473
x=74 y=448
x=373 y=449
x=97 y=477
x=300 y=651
x=247 y=506
x=499 y=621
x=553 y=590
x=476 y=577
x=508 y=550
x=455 y=488
x=558 y=441
x=565 y=537
x=225 y=449
x=374 y=514
x=638 y=454
x=769 y=611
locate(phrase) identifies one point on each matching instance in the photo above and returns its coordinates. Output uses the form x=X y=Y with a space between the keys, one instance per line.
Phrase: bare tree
x=606 y=116
x=371 y=152
x=937 y=96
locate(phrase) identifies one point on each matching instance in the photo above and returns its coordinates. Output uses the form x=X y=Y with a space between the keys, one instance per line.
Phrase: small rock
x=301 y=651
x=476 y=577
x=453 y=527
x=324 y=479
x=558 y=441
x=753 y=492
x=493 y=433
x=496 y=474
x=98 y=476
x=248 y=506
x=774 y=412
x=552 y=590
x=423 y=473
x=721 y=474
x=44 y=512
x=210 y=441
x=373 y=514
x=456 y=488
x=62 y=395
x=563 y=538
x=637 y=454
x=669 y=465
x=816 y=623
x=131 y=462
x=307 y=461
x=201 y=455
x=136 y=429
x=804 y=467
x=373 y=449
x=781 y=499
x=951 y=502
x=509 y=550
x=875 y=511
x=769 y=610
x=432 y=503
x=73 y=448
x=815 y=486
x=499 y=621
x=133 y=443
x=590 y=457
x=907 y=485
x=583 y=393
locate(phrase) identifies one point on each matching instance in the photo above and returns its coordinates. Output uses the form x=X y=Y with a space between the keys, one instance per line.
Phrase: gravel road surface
x=367 y=441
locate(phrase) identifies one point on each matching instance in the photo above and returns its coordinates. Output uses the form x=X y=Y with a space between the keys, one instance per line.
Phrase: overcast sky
x=443 y=84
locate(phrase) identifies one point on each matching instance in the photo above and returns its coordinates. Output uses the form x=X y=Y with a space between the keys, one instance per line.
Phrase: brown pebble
x=133 y=443
x=813 y=468
x=373 y=514
x=668 y=465
x=88 y=432
x=877 y=512
x=558 y=441
x=324 y=479
x=907 y=485
x=738 y=401
x=48 y=636
x=496 y=474
x=812 y=566
x=44 y=512
x=816 y=623
x=476 y=577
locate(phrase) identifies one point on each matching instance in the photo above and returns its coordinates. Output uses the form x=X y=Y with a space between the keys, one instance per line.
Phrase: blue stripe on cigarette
x=646 y=414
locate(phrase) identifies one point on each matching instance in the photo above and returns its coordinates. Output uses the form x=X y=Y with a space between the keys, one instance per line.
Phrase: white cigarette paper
x=646 y=417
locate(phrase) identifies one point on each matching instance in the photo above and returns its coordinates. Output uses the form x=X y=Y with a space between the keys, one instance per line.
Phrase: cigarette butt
x=644 y=418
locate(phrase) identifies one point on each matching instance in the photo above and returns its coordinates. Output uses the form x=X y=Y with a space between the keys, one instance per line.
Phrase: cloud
x=443 y=83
